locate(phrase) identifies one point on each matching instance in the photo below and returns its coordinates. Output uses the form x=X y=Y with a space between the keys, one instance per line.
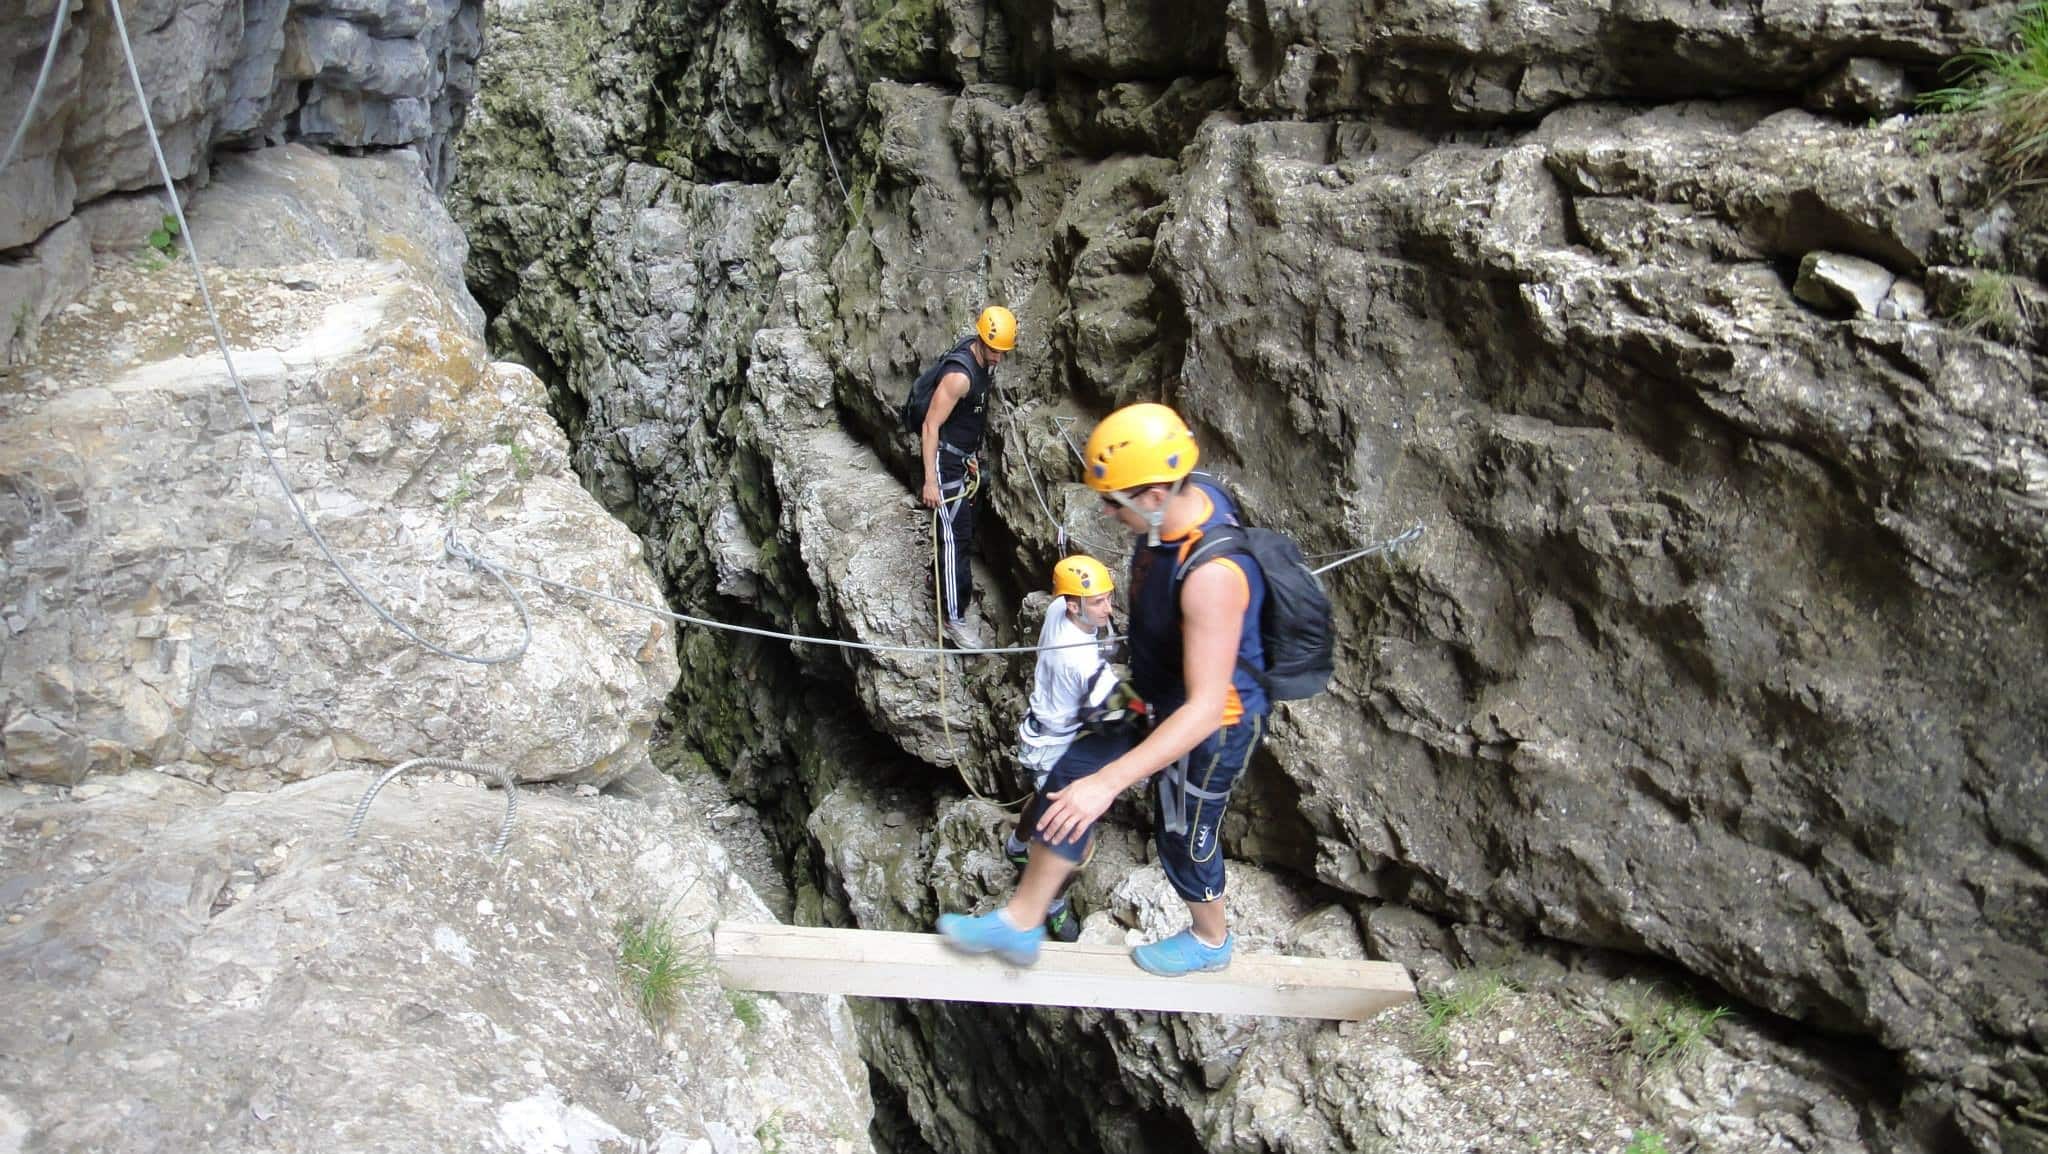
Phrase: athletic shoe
x=1062 y=924
x=965 y=634
x=1183 y=953
x=991 y=933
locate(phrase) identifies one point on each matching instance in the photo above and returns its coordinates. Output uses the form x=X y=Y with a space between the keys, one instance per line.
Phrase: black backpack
x=1294 y=623
x=912 y=411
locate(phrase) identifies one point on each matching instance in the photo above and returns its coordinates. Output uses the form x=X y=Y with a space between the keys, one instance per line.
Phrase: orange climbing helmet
x=1143 y=444
x=1081 y=576
x=997 y=328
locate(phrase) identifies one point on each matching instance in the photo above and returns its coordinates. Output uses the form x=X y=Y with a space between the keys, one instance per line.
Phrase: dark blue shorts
x=1193 y=859
x=1090 y=752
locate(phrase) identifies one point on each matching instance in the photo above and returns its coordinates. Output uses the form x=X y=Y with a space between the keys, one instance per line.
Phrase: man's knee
x=1194 y=878
x=1076 y=852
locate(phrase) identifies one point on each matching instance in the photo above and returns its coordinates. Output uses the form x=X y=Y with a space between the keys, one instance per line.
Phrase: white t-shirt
x=1064 y=681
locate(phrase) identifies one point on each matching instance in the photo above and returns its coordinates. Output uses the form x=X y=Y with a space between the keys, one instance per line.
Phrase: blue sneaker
x=1183 y=953
x=991 y=933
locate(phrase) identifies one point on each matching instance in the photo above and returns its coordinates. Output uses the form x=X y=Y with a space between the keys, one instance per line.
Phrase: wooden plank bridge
x=884 y=964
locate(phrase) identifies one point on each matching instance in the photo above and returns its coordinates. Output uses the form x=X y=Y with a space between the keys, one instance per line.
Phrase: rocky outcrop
x=219 y=75
x=1624 y=613
x=234 y=971
x=1467 y=64
x=164 y=606
x=195 y=953
x=1716 y=647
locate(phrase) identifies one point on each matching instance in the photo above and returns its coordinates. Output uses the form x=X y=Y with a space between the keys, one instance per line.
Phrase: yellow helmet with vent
x=1143 y=444
x=1081 y=576
x=997 y=328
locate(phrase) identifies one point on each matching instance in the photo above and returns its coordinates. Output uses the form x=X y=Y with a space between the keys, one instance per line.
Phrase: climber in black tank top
x=949 y=445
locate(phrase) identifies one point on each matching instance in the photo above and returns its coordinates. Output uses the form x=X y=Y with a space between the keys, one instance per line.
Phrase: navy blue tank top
x=1157 y=671
x=964 y=425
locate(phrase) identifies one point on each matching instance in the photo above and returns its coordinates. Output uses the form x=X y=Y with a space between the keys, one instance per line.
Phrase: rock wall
x=1719 y=649
x=219 y=76
x=165 y=608
x=336 y=72
x=190 y=694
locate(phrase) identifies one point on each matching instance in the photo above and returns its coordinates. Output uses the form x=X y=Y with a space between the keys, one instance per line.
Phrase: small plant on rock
x=465 y=488
x=746 y=1007
x=522 y=460
x=164 y=238
x=1646 y=1142
x=1990 y=303
x=2010 y=86
x=160 y=247
x=1467 y=996
x=769 y=1133
x=1661 y=1032
x=655 y=967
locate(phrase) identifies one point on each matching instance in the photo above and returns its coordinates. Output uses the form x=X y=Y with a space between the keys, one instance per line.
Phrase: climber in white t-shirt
x=1070 y=676
x=1070 y=679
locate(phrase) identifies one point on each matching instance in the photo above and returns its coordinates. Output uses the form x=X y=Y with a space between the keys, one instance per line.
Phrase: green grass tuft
x=746 y=1007
x=1662 y=1032
x=1990 y=303
x=1646 y=1142
x=2010 y=86
x=465 y=488
x=522 y=460
x=655 y=967
x=1467 y=996
x=769 y=1133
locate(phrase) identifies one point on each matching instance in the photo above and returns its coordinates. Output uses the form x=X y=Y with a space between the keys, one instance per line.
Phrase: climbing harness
x=969 y=486
x=504 y=776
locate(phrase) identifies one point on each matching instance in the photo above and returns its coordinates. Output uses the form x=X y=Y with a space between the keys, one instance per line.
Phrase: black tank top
x=965 y=424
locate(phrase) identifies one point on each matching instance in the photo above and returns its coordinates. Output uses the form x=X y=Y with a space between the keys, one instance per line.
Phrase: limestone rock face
x=1719 y=648
x=1479 y=62
x=343 y=72
x=1603 y=653
x=236 y=969
x=163 y=605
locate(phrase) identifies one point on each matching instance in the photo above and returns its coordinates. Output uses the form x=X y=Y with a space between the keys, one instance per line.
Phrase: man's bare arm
x=951 y=389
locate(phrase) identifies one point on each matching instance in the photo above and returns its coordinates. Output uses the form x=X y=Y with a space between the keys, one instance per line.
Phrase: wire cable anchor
x=504 y=776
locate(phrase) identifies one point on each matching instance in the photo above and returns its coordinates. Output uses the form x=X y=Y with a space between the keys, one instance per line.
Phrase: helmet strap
x=1157 y=517
x=1154 y=518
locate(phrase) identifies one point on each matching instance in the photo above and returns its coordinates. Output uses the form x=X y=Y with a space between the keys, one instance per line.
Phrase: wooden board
x=881 y=964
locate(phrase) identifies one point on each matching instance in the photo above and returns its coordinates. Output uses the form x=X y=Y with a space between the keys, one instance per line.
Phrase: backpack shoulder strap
x=963 y=355
x=1217 y=541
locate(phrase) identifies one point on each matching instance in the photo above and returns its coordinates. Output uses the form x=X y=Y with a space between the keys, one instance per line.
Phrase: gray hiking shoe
x=965 y=634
